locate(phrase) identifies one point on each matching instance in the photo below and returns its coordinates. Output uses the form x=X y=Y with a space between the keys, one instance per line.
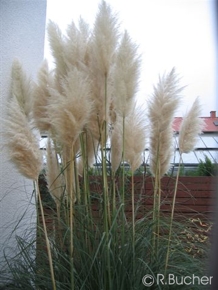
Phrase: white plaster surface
x=22 y=33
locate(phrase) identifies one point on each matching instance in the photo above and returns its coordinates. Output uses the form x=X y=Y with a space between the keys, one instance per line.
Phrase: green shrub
x=206 y=167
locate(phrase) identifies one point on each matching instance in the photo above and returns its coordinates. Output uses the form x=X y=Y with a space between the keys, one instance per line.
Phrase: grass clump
x=91 y=237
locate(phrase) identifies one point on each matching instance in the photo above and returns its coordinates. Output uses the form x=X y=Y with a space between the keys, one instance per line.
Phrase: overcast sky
x=170 y=33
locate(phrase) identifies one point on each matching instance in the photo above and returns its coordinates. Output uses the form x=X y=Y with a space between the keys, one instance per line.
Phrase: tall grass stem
x=46 y=236
x=172 y=216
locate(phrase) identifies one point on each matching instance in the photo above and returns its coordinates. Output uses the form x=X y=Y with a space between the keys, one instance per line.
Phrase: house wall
x=22 y=33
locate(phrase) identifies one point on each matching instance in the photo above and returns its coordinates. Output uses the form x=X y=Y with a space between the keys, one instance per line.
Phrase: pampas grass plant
x=135 y=130
x=87 y=104
x=161 y=110
x=24 y=153
x=69 y=114
x=192 y=125
x=125 y=79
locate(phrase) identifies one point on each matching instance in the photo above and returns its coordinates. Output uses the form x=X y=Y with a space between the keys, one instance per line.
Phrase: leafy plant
x=206 y=167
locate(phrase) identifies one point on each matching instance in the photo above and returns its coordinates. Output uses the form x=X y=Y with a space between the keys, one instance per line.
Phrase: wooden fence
x=195 y=196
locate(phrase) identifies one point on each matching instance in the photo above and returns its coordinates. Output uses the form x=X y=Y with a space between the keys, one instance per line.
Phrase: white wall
x=22 y=33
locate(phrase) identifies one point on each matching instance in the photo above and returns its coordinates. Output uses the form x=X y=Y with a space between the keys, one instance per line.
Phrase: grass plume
x=135 y=130
x=41 y=96
x=105 y=37
x=77 y=45
x=70 y=112
x=191 y=127
x=57 y=45
x=22 y=145
x=162 y=107
x=21 y=87
x=126 y=74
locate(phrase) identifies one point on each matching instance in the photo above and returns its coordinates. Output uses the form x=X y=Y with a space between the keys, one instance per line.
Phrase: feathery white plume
x=22 y=145
x=161 y=110
x=41 y=96
x=190 y=128
x=126 y=74
x=76 y=47
x=105 y=37
x=135 y=138
x=70 y=112
x=101 y=52
x=57 y=45
x=21 y=87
